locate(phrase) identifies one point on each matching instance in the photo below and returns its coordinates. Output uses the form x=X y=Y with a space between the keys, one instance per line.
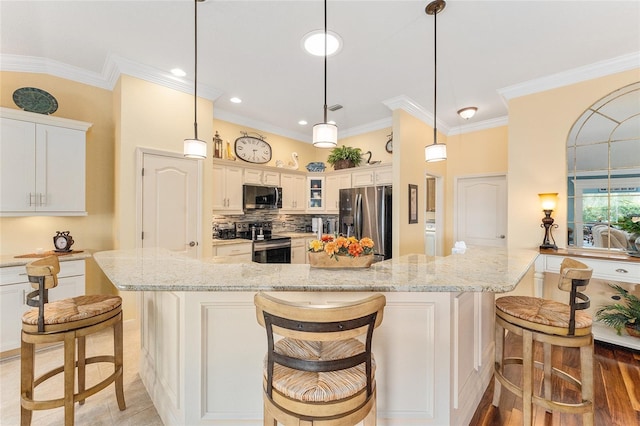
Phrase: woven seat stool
x=67 y=321
x=319 y=373
x=552 y=324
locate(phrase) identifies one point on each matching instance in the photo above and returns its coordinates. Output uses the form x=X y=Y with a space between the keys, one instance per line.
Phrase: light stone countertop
x=480 y=269
x=11 y=260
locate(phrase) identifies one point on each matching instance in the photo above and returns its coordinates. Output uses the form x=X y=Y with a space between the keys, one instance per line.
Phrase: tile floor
x=99 y=409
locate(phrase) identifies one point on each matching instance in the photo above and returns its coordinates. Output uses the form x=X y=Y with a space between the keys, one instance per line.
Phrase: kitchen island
x=202 y=349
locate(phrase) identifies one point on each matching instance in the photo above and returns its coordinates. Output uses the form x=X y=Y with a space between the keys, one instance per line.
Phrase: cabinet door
x=298 y=251
x=11 y=309
x=384 y=176
x=271 y=178
x=219 y=192
x=293 y=192
x=334 y=185
x=315 y=191
x=17 y=156
x=365 y=178
x=60 y=169
x=234 y=189
x=253 y=176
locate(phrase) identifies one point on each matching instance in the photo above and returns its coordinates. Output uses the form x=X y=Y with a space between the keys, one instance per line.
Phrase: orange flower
x=342 y=242
x=330 y=248
x=326 y=238
x=366 y=242
x=352 y=240
x=355 y=249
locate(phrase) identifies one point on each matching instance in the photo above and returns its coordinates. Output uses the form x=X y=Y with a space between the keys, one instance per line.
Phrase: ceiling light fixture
x=178 y=72
x=195 y=148
x=436 y=151
x=236 y=100
x=467 y=112
x=302 y=122
x=325 y=135
x=313 y=43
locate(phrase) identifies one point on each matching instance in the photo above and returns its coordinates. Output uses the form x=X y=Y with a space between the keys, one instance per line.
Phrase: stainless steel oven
x=274 y=250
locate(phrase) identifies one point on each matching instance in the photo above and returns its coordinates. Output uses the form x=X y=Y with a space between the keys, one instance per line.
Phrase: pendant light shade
x=435 y=151
x=194 y=147
x=325 y=135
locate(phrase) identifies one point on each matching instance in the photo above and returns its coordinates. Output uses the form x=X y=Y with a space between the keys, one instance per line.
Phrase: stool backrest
x=43 y=275
x=574 y=278
x=319 y=323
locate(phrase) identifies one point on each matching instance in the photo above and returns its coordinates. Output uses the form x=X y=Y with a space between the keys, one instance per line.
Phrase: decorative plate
x=317 y=166
x=32 y=99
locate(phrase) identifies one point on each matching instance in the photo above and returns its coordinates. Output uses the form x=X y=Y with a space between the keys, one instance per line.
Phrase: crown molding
x=576 y=75
x=220 y=114
x=407 y=104
x=481 y=125
x=366 y=128
x=114 y=67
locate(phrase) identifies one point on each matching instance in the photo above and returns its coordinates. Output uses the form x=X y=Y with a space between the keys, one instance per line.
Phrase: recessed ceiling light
x=235 y=100
x=331 y=122
x=302 y=122
x=313 y=43
x=178 y=72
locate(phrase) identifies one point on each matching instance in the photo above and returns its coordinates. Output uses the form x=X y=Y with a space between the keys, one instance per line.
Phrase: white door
x=170 y=214
x=481 y=211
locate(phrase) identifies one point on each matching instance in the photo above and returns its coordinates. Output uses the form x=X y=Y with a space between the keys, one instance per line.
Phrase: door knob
x=192 y=244
x=501 y=237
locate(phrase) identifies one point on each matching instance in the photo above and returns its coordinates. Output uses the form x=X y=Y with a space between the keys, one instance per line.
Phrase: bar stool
x=553 y=324
x=68 y=321
x=319 y=373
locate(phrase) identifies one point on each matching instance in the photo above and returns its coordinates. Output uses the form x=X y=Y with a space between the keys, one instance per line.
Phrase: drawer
x=234 y=249
x=18 y=274
x=298 y=242
x=605 y=269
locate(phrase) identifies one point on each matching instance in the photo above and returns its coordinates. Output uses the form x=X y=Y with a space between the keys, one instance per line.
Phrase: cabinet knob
x=192 y=244
x=622 y=271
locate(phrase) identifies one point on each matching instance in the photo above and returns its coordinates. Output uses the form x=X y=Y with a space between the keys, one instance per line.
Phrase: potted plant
x=343 y=157
x=341 y=252
x=622 y=315
x=631 y=224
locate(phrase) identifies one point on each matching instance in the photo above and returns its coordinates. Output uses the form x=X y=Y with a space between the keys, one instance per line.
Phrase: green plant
x=630 y=224
x=345 y=153
x=620 y=315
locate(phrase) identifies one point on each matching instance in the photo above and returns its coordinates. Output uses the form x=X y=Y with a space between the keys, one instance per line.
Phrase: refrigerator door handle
x=357 y=231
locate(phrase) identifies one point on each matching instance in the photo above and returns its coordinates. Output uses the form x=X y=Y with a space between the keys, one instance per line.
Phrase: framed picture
x=413 y=203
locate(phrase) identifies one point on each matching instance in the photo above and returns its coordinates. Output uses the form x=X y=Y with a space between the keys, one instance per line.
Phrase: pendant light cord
x=195 y=78
x=435 y=76
x=325 y=61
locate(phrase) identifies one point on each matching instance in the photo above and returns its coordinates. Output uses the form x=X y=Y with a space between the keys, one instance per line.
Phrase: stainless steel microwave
x=261 y=197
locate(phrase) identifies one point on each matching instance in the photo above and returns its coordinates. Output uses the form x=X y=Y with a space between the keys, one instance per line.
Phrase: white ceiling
x=487 y=50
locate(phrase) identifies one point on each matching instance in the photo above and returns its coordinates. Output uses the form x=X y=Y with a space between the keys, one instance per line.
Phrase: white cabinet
x=293 y=192
x=261 y=177
x=373 y=175
x=334 y=184
x=14 y=287
x=298 y=250
x=315 y=194
x=227 y=196
x=242 y=252
x=42 y=165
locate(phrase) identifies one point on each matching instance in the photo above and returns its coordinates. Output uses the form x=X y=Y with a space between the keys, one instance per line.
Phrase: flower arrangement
x=335 y=247
x=631 y=224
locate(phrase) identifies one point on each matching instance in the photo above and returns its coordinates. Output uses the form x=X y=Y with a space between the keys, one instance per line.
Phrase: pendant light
x=195 y=148
x=325 y=135
x=436 y=151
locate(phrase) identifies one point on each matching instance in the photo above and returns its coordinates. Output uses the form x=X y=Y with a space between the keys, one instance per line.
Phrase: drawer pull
x=622 y=271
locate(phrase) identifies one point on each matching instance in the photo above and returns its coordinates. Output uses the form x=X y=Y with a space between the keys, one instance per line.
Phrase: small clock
x=253 y=149
x=389 y=145
x=62 y=241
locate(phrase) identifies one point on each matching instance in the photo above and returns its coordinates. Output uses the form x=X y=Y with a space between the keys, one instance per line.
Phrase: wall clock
x=62 y=241
x=389 y=145
x=253 y=149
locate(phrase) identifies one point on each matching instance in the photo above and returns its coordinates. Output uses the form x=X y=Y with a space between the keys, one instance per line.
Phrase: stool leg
x=82 y=355
x=547 y=349
x=69 y=377
x=269 y=419
x=27 y=353
x=586 y=366
x=498 y=367
x=527 y=377
x=117 y=351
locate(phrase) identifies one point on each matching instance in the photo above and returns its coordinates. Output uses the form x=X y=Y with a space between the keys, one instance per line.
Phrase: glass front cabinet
x=315 y=193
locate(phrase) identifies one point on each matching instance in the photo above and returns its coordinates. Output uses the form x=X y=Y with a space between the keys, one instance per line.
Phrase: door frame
x=456 y=180
x=440 y=228
x=140 y=153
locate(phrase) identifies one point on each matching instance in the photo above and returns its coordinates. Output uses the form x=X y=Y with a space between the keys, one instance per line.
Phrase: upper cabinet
x=42 y=165
x=316 y=193
x=227 y=193
x=335 y=183
x=293 y=192
x=261 y=177
x=372 y=175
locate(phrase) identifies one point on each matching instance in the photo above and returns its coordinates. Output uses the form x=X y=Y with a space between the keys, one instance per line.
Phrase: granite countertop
x=480 y=269
x=12 y=260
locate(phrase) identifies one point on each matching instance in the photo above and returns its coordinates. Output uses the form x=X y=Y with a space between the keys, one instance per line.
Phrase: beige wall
x=76 y=101
x=374 y=141
x=539 y=125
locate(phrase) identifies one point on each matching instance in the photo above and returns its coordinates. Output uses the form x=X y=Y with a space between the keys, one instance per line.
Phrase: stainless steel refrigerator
x=366 y=212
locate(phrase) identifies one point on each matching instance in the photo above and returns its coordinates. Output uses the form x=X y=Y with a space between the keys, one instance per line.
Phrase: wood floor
x=616 y=382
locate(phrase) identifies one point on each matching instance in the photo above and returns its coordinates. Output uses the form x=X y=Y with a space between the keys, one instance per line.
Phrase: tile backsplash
x=281 y=222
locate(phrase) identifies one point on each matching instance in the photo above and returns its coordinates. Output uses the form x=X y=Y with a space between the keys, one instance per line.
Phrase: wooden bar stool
x=68 y=321
x=553 y=324
x=319 y=373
